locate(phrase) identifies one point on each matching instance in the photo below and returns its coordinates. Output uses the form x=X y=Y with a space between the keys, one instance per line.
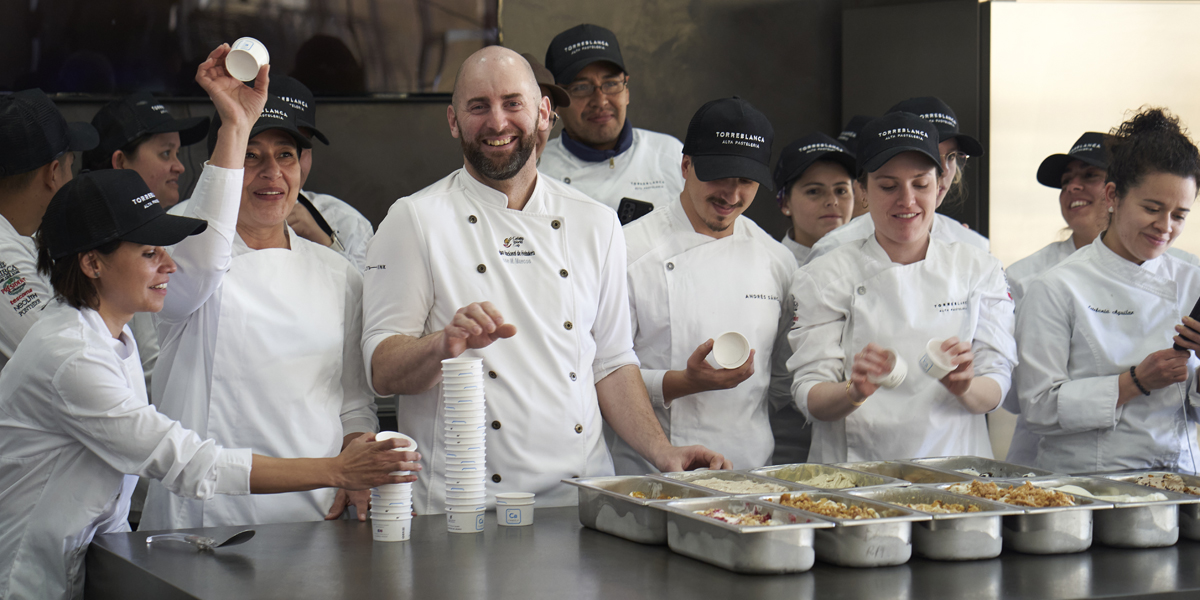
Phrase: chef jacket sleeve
x=358 y=402
x=23 y=295
x=397 y=281
x=779 y=391
x=653 y=378
x=815 y=337
x=97 y=407
x=613 y=336
x=201 y=260
x=1052 y=402
x=994 y=346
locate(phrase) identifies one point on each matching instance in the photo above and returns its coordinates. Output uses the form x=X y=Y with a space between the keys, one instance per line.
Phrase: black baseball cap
x=730 y=138
x=580 y=46
x=33 y=133
x=941 y=115
x=799 y=155
x=302 y=101
x=276 y=114
x=545 y=81
x=1089 y=148
x=98 y=207
x=123 y=121
x=895 y=133
x=849 y=135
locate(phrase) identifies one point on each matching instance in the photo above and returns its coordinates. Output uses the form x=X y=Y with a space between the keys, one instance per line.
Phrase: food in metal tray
x=939 y=507
x=643 y=496
x=827 y=507
x=755 y=518
x=829 y=481
x=976 y=473
x=1167 y=481
x=1078 y=491
x=740 y=487
x=1024 y=495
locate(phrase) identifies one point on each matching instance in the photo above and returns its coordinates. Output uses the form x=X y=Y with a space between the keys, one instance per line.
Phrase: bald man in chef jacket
x=698 y=268
x=497 y=262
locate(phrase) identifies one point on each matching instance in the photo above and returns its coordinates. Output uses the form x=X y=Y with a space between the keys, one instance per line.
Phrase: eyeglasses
x=583 y=89
x=957 y=157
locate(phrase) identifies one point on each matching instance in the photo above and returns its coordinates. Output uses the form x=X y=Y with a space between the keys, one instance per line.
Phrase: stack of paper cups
x=466 y=465
x=391 y=504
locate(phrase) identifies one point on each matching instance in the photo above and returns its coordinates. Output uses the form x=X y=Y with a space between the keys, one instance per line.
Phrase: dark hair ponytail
x=1152 y=141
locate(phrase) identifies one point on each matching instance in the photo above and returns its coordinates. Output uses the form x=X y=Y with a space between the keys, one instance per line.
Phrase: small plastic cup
x=515 y=498
x=934 y=362
x=895 y=377
x=731 y=349
x=246 y=56
x=391 y=435
x=398 y=530
x=463 y=521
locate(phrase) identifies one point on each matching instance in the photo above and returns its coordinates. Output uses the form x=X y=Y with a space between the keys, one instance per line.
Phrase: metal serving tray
x=687 y=477
x=605 y=505
x=1052 y=530
x=863 y=542
x=784 y=548
x=801 y=472
x=1189 y=513
x=1138 y=524
x=994 y=469
x=949 y=536
x=906 y=471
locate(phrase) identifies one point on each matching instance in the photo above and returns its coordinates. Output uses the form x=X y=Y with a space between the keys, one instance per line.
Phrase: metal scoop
x=200 y=542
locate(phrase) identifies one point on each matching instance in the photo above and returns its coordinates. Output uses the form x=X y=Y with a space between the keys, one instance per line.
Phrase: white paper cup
x=934 y=362
x=477 y=487
x=392 y=489
x=473 y=386
x=478 y=501
x=388 y=498
x=464 y=522
x=464 y=429
x=731 y=349
x=245 y=58
x=514 y=516
x=455 y=395
x=463 y=362
x=461 y=495
x=896 y=376
x=390 y=435
x=392 y=509
x=398 y=530
x=463 y=421
x=459 y=480
x=515 y=498
x=474 y=454
x=472 y=379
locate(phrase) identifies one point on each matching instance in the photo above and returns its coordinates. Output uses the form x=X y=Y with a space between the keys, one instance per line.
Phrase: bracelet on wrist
x=850 y=384
x=1140 y=387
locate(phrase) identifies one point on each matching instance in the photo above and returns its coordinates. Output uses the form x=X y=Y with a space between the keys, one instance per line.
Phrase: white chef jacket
x=23 y=291
x=856 y=295
x=351 y=227
x=944 y=229
x=1081 y=325
x=260 y=348
x=800 y=251
x=1023 y=449
x=648 y=171
x=555 y=270
x=73 y=420
x=684 y=288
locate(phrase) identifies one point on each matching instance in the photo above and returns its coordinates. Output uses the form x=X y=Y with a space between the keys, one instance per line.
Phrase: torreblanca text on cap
x=246 y=56
x=935 y=362
x=731 y=349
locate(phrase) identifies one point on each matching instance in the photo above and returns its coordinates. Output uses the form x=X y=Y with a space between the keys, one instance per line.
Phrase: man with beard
x=698 y=268
x=599 y=152
x=495 y=251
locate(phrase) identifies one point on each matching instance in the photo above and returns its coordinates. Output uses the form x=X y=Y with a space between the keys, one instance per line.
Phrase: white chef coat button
x=472 y=219
x=496 y=478
x=568 y=326
x=578 y=428
x=566 y=180
x=495 y=424
x=670 y=266
x=573 y=377
x=562 y=272
x=862 y=289
x=481 y=268
x=555 y=224
x=492 y=374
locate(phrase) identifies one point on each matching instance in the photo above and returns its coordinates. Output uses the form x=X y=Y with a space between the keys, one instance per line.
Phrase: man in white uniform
x=599 y=152
x=496 y=251
x=954 y=147
x=35 y=160
x=698 y=268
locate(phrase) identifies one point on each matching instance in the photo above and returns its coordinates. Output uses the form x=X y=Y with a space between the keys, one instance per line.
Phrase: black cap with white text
x=798 y=156
x=894 y=134
x=580 y=46
x=849 y=134
x=1089 y=149
x=730 y=138
x=942 y=116
x=302 y=101
x=122 y=121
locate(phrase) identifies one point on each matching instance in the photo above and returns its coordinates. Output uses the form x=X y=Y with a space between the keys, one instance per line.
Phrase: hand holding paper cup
x=731 y=349
x=935 y=362
x=895 y=376
x=246 y=56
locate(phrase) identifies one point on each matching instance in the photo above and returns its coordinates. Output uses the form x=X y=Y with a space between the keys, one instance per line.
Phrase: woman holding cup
x=74 y=416
x=1099 y=379
x=884 y=297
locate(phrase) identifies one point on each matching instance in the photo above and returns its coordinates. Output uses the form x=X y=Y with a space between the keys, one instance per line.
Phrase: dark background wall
x=781 y=55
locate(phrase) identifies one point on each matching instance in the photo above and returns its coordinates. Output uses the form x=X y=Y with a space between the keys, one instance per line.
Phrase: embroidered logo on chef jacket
x=653 y=184
x=949 y=307
x=16 y=291
x=512 y=253
x=1116 y=312
x=375 y=267
x=772 y=297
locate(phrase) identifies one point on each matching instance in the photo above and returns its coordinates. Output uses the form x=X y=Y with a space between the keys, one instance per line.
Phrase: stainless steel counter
x=558 y=558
